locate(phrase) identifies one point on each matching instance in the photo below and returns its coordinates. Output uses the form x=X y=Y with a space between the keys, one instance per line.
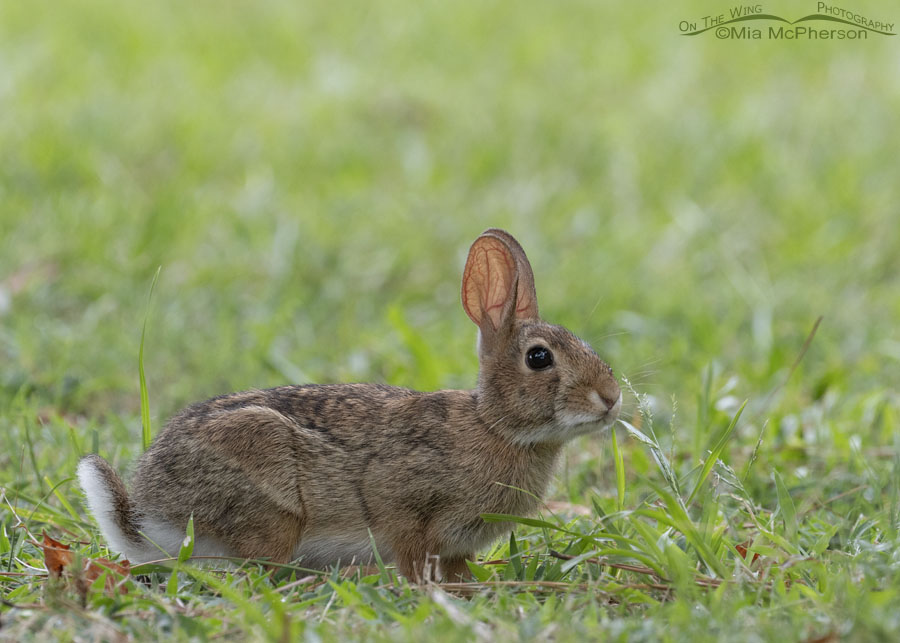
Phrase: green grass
x=309 y=179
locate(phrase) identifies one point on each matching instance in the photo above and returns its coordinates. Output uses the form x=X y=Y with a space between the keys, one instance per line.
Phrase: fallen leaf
x=56 y=556
x=58 y=559
x=742 y=550
x=97 y=566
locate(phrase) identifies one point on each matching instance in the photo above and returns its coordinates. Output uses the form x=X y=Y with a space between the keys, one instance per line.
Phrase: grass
x=310 y=179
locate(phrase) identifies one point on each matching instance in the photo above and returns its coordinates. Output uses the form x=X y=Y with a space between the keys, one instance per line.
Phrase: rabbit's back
x=293 y=443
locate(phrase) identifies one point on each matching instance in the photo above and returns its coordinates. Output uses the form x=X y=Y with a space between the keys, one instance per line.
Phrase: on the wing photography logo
x=751 y=22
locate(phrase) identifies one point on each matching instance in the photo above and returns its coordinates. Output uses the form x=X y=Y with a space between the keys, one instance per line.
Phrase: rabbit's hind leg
x=416 y=558
x=263 y=532
x=261 y=513
x=454 y=568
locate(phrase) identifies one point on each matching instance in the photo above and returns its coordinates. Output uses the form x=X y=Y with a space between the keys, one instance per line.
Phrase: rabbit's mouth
x=575 y=424
x=599 y=417
x=571 y=424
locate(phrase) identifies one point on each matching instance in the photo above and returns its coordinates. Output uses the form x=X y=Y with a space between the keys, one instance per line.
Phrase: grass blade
x=146 y=430
x=515 y=558
x=31 y=455
x=245 y=607
x=187 y=545
x=187 y=548
x=703 y=407
x=523 y=520
x=379 y=562
x=62 y=499
x=715 y=451
x=620 y=471
x=788 y=511
x=659 y=456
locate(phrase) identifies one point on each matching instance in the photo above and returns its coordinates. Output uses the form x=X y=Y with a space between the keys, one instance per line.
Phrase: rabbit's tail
x=108 y=501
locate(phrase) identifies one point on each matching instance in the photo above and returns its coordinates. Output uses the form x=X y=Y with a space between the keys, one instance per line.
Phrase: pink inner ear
x=525 y=305
x=487 y=280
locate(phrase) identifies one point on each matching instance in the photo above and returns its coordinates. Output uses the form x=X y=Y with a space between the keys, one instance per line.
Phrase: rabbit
x=318 y=472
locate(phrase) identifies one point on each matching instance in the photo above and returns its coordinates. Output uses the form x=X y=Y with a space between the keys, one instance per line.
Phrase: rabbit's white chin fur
x=569 y=425
x=561 y=431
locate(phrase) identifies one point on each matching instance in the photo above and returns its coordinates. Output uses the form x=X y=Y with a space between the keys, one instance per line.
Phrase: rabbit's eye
x=539 y=358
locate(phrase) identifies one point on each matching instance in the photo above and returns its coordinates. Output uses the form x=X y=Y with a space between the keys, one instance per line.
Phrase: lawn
x=308 y=178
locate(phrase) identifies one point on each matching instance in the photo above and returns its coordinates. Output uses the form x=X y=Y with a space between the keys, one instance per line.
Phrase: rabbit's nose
x=611 y=401
x=610 y=393
x=606 y=404
x=615 y=407
x=600 y=402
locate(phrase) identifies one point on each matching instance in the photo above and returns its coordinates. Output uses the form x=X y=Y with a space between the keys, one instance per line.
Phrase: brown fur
x=261 y=470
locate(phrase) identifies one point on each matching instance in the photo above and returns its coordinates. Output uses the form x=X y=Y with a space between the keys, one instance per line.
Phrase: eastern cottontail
x=306 y=471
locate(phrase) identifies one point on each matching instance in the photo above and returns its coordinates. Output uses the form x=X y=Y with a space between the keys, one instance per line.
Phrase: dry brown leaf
x=58 y=559
x=743 y=548
x=99 y=565
x=56 y=556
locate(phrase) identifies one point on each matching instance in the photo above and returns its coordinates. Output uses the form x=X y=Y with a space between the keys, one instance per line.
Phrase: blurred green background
x=309 y=176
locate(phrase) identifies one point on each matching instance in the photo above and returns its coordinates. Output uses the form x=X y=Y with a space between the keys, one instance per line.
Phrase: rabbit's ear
x=498 y=284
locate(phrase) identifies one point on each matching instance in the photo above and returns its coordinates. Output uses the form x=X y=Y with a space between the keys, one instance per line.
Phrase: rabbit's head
x=537 y=382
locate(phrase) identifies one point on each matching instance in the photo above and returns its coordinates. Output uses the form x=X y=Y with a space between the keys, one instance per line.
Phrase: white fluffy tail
x=139 y=540
x=108 y=501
